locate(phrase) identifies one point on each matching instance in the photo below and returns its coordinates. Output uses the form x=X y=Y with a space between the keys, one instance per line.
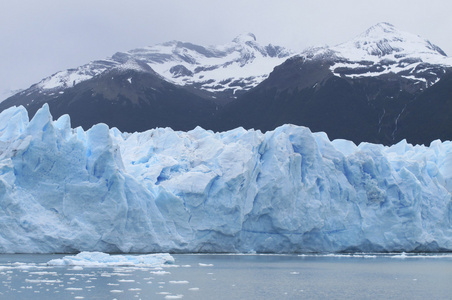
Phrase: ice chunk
x=99 y=259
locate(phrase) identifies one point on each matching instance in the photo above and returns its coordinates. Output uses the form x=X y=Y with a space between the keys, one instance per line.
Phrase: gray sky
x=39 y=38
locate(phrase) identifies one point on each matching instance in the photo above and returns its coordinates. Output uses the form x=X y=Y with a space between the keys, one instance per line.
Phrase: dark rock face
x=131 y=101
x=370 y=89
x=429 y=116
x=180 y=70
x=384 y=109
x=363 y=109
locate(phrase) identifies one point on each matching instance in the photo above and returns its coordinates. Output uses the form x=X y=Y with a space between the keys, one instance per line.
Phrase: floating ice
x=178 y=282
x=99 y=259
x=174 y=296
x=288 y=190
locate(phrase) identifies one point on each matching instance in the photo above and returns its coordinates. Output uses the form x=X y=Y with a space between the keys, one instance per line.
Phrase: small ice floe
x=174 y=296
x=402 y=255
x=116 y=291
x=160 y=272
x=205 y=265
x=194 y=289
x=43 y=281
x=294 y=273
x=42 y=273
x=100 y=259
x=73 y=289
x=126 y=280
x=178 y=282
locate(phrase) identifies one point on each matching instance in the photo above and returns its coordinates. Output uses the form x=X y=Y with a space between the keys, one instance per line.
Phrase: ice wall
x=288 y=190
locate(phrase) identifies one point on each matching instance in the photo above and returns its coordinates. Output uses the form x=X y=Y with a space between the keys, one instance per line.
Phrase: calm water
x=234 y=277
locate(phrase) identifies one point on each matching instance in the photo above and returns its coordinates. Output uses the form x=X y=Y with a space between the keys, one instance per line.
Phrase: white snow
x=5 y=94
x=71 y=77
x=391 y=49
x=288 y=190
x=370 y=46
x=242 y=60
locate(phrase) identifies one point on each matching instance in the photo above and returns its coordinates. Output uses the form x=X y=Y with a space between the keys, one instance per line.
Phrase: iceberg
x=66 y=190
x=100 y=259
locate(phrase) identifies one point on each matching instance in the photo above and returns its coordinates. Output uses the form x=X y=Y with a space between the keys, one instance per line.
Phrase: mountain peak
x=385 y=40
x=380 y=28
x=386 y=32
x=244 y=38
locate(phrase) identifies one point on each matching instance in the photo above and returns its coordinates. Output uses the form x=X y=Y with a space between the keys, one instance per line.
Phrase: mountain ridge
x=360 y=97
x=178 y=62
x=360 y=90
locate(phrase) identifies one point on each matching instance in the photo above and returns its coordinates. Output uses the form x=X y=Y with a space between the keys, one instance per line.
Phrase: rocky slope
x=372 y=88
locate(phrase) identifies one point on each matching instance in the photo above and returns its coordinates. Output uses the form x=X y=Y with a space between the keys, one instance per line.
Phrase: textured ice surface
x=99 y=259
x=288 y=190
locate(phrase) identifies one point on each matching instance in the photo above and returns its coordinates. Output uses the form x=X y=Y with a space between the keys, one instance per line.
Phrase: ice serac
x=288 y=190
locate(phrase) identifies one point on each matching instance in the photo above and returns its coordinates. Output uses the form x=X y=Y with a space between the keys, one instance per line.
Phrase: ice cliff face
x=289 y=190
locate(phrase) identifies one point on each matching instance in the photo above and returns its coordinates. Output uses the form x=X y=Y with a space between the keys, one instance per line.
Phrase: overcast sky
x=39 y=38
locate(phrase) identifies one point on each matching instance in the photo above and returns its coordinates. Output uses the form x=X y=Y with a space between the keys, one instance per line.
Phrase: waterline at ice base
x=65 y=190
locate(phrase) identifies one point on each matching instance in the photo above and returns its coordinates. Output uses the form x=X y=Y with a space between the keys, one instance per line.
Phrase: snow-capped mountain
x=385 y=50
x=239 y=65
x=236 y=66
x=362 y=90
x=367 y=89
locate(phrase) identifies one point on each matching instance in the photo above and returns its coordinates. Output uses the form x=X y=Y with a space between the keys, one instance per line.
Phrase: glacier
x=66 y=190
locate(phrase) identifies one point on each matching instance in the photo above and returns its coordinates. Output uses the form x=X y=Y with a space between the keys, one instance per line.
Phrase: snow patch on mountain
x=383 y=50
x=4 y=94
x=71 y=77
x=239 y=65
x=384 y=41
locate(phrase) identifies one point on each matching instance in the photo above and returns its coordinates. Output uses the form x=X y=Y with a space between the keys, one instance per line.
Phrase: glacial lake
x=359 y=276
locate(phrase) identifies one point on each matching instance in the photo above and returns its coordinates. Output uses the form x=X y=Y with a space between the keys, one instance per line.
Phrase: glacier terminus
x=289 y=190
